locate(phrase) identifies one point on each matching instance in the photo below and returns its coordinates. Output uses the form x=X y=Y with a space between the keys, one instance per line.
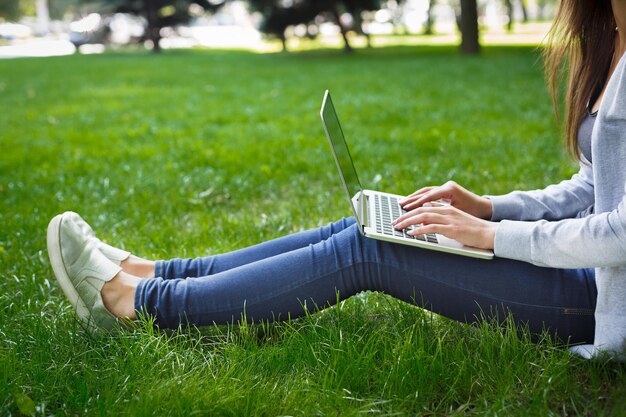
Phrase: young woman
x=561 y=251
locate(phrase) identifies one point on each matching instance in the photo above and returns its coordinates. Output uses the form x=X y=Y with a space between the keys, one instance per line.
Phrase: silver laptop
x=375 y=210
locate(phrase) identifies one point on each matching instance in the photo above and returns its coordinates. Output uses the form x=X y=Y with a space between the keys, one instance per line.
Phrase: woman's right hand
x=453 y=194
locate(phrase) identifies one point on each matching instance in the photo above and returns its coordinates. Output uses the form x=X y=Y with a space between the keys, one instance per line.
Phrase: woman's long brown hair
x=580 y=48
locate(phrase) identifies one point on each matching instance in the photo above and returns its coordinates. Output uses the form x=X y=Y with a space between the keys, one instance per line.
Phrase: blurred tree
x=59 y=8
x=278 y=15
x=469 y=27
x=158 y=13
x=356 y=9
x=428 y=26
x=43 y=17
x=524 y=10
x=541 y=7
x=9 y=9
x=336 y=8
x=397 y=10
x=508 y=5
x=14 y=9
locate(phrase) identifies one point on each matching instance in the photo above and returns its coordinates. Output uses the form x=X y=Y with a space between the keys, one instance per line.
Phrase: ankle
x=138 y=267
x=118 y=295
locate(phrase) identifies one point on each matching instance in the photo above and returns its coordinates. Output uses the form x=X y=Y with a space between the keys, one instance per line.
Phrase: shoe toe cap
x=72 y=241
x=80 y=223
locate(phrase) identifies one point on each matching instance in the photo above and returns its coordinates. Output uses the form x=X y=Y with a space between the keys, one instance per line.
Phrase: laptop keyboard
x=387 y=210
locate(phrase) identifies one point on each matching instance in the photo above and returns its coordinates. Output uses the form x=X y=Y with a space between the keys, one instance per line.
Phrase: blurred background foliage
x=274 y=18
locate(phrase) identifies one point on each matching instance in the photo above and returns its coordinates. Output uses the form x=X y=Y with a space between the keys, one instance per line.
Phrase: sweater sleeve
x=598 y=240
x=556 y=202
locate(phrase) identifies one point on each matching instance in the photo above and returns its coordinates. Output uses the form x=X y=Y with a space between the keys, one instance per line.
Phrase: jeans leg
x=209 y=265
x=346 y=263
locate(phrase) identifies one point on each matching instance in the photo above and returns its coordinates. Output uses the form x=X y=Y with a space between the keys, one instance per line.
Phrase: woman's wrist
x=490 y=235
x=485 y=208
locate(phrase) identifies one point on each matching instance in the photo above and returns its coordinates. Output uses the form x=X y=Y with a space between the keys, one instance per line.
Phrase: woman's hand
x=451 y=222
x=451 y=193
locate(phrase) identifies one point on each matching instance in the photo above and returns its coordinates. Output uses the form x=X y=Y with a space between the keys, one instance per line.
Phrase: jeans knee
x=363 y=248
x=341 y=224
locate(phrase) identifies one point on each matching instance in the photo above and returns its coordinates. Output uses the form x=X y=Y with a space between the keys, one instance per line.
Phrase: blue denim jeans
x=282 y=278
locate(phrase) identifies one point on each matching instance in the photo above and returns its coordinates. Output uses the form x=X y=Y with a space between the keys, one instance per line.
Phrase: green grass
x=157 y=151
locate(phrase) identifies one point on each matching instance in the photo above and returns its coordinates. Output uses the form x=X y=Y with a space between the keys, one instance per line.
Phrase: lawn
x=194 y=152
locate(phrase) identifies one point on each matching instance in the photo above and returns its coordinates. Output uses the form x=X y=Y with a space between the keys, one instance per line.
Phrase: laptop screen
x=338 y=144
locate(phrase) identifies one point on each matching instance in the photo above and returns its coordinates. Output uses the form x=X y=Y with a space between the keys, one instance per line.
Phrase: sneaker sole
x=58 y=266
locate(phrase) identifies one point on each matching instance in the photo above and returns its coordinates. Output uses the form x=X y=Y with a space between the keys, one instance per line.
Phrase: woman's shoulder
x=614 y=101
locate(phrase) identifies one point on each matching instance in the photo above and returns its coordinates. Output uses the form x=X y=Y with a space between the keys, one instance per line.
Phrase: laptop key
x=431 y=238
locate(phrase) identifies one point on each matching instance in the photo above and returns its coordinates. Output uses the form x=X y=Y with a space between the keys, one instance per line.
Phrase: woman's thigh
x=467 y=289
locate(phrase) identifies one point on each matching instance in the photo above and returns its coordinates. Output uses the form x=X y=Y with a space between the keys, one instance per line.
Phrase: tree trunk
x=508 y=4
x=154 y=30
x=358 y=26
x=524 y=11
x=283 y=40
x=469 y=27
x=43 y=17
x=344 y=32
x=428 y=29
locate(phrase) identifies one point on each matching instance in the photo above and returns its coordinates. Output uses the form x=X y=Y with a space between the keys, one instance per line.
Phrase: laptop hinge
x=363 y=210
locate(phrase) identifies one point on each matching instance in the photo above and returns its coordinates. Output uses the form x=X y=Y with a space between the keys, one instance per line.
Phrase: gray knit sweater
x=581 y=222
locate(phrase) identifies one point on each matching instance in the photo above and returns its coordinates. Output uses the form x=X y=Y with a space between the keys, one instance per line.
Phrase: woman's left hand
x=450 y=222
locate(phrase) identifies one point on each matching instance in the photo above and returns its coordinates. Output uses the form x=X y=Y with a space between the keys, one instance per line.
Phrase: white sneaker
x=81 y=270
x=113 y=254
